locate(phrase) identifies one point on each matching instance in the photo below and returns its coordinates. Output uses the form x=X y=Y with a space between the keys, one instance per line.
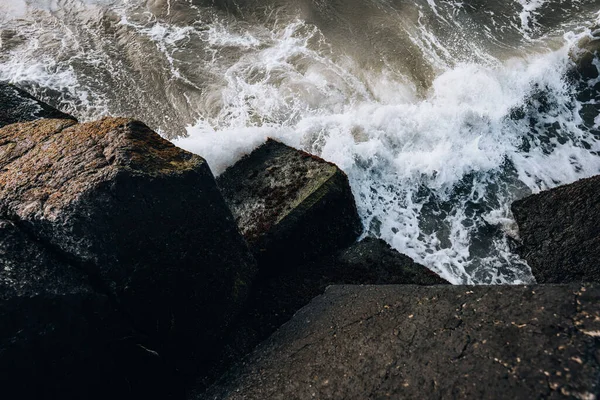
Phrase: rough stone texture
x=145 y=217
x=276 y=298
x=60 y=338
x=289 y=205
x=560 y=232
x=436 y=342
x=16 y=105
x=27 y=269
x=373 y=261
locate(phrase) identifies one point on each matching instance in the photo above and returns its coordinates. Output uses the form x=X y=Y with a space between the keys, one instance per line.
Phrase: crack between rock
x=464 y=349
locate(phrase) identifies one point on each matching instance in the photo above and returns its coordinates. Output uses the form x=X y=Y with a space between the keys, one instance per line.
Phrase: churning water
x=441 y=112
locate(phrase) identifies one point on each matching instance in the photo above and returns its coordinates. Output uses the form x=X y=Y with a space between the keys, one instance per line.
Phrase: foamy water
x=426 y=172
x=437 y=142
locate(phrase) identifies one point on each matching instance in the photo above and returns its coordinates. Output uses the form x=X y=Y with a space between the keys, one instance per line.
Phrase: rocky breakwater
x=298 y=213
x=441 y=341
x=112 y=237
x=61 y=336
x=123 y=274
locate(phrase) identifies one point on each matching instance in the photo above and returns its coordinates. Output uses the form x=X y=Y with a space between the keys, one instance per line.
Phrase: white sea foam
x=12 y=9
x=392 y=150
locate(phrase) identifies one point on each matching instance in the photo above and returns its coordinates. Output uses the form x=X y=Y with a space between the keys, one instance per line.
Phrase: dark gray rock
x=373 y=261
x=560 y=232
x=61 y=338
x=28 y=269
x=17 y=105
x=276 y=298
x=143 y=216
x=435 y=342
x=290 y=206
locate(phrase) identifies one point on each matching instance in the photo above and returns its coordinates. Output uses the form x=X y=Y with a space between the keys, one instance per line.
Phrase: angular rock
x=373 y=261
x=143 y=216
x=60 y=338
x=435 y=342
x=290 y=206
x=560 y=232
x=27 y=269
x=17 y=105
x=276 y=298
x=368 y=262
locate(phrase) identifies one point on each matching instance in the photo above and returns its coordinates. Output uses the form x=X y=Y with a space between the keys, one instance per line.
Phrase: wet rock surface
x=16 y=105
x=275 y=298
x=28 y=269
x=405 y=341
x=373 y=261
x=290 y=206
x=560 y=232
x=142 y=216
x=60 y=337
x=368 y=262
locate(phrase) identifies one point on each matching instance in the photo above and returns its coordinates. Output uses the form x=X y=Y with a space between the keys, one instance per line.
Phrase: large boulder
x=429 y=342
x=276 y=298
x=141 y=216
x=16 y=105
x=290 y=206
x=60 y=337
x=560 y=232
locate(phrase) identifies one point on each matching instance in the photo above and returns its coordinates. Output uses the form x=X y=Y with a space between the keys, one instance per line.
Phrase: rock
x=290 y=206
x=368 y=262
x=60 y=338
x=434 y=342
x=276 y=298
x=27 y=269
x=142 y=216
x=560 y=232
x=373 y=261
x=17 y=105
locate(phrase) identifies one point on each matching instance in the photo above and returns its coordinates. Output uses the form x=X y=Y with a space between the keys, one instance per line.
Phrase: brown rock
x=290 y=206
x=143 y=216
